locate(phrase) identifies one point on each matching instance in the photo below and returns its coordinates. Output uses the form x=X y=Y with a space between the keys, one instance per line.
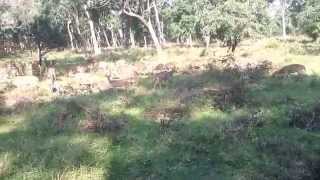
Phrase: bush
x=272 y=44
x=204 y=53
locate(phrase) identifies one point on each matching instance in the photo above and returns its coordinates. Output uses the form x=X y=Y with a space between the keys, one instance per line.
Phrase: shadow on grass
x=207 y=144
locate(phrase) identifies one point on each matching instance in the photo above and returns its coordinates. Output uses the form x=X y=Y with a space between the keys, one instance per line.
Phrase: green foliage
x=181 y=18
x=310 y=19
x=48 y=33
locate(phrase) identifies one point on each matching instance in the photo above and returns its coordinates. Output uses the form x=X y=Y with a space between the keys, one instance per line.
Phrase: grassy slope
x=199 y=146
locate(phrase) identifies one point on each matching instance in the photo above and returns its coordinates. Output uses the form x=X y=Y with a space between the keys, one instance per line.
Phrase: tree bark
x=96 y=47
x=80 y=40
x=70 y=34
x=132 y=40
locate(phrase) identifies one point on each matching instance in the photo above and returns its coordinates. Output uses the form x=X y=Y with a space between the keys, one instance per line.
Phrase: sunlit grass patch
x=9 y=123
x=134 y=112
x=206 y=113
x=272 y=44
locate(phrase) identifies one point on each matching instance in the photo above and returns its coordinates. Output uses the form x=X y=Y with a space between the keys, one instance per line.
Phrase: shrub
x=272 y=44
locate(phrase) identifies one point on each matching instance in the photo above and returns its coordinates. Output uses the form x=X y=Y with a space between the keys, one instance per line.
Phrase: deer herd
x=121 y=74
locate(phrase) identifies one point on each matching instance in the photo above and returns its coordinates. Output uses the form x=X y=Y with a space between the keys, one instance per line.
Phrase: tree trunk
x=80 y=39
x=132 y=41
x=164 y=41
x=88 y=44
x=284 y=26
x=106 y=38
x=70 y=34
x=207 y=41
x=96 y=47
x=99 y=36
x=158 y=24
x=114 y=41
x=153 y=35
x=39 y=52
x=120 y=32
x=190 y=41
x=145 y=42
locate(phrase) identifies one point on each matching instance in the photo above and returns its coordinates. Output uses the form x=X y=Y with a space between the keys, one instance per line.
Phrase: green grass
x=205 y=143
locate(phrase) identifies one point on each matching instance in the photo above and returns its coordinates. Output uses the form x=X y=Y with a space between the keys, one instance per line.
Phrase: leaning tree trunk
x=70 y=34
x=95 y=43
x=153 y=35
x=106 y=38
x=158 y=24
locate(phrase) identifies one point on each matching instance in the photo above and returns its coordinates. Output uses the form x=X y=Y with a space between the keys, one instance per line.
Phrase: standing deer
x=162 y=77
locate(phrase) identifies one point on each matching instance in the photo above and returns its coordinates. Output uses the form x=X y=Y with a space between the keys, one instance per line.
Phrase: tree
x=310 y=19
x=94 y=40
x=181 y=20
x=15 y=20
x=142 y=11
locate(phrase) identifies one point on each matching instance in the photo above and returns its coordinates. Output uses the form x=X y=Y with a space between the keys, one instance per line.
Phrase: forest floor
x=208 y=123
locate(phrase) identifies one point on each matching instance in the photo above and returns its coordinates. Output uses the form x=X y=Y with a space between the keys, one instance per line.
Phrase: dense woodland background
x=96 y=24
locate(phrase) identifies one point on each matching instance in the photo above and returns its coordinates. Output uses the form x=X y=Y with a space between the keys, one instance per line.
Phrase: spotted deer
x=291 y=69
x=161 y=78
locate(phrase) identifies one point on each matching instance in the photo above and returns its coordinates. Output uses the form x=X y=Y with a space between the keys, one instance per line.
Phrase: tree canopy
x=94 y=24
